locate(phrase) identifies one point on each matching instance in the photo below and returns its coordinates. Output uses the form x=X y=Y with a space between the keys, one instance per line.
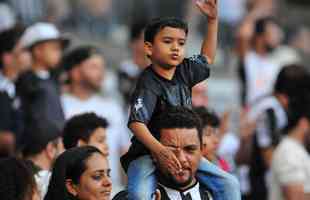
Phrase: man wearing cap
x=13 y=60
x=39 y=89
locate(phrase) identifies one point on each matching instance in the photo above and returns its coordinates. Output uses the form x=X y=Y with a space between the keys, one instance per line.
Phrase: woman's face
x=95 y=182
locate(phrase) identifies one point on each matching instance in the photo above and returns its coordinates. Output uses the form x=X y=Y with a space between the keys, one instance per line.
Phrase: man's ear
x=81 y=143
x=71 y=187
x=148 y=48
x=51 y=150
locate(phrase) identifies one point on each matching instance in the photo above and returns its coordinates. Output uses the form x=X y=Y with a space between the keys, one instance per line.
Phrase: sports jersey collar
x=161 y=77
x=176 y=194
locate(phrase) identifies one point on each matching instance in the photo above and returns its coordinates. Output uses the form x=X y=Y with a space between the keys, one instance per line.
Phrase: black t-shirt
x=154 y=94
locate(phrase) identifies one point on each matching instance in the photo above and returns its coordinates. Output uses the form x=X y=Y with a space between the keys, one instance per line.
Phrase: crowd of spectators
x=68 y=69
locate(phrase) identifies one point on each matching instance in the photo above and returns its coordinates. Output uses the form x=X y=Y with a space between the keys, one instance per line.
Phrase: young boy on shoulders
x=167 y=82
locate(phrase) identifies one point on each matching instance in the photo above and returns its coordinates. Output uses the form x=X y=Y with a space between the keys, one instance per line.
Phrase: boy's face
x=168 y=48
x=98 y=139
x=49 y=53
x=210 y=143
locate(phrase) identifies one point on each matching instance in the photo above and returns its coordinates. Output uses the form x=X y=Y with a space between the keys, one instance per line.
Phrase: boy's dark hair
x=16 y=180
x=81 y=127
x=8 y=40
x=207 y=117
x=37 y=135
x=158 y=24
x=136 y=29
x=177 y=117
x=293 y=80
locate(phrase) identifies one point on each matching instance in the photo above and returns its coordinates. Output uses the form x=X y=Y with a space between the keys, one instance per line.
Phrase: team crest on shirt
x=139 y=104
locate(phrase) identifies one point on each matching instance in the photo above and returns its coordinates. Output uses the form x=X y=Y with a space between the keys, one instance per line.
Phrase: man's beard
x=169 y=181
x=91 y=86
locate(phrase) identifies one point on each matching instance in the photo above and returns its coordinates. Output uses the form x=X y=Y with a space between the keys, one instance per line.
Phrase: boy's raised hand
x=208 y=7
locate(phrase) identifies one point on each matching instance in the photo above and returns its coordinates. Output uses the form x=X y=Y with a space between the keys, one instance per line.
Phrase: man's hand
x=208 y=7
x=165 y=157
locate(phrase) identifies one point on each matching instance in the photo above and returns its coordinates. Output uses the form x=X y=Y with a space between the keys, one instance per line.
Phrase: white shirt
x=290 y=164
x=7 y=85
x=117 y=132
x=261 y=73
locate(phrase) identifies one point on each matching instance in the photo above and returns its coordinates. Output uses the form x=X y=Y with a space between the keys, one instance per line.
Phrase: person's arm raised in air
x=209 y=45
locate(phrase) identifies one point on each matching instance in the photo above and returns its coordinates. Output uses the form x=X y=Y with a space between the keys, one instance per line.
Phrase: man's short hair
x=158 y=24
x=298 y=108
x=207 y=117
x=136 y=29
x=81 y=127
x=9 y=39
x=177 y=117
x=37 y=135
x=293 y=80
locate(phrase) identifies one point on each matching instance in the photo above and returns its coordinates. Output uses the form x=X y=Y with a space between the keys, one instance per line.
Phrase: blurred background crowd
x=78 y=60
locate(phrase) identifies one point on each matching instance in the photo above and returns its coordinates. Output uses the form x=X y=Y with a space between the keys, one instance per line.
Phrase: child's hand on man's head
x=208 y=7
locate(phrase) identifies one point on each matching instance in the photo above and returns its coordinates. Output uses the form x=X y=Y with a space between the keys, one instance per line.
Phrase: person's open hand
x=166 y=158
x=208 y=7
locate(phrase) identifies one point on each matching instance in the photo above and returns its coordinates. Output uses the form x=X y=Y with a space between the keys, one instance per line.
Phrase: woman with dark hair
x=80 y=173
x=16 y=180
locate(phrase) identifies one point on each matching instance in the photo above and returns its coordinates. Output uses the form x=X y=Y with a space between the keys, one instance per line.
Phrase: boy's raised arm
x=209 y=45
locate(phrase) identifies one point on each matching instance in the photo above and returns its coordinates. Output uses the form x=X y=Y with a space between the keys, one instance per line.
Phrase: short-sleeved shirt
x=290 y=165
x=154 y=94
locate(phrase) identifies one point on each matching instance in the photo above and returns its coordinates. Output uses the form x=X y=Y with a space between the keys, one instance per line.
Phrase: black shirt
x=154 y=94
x=40 y=99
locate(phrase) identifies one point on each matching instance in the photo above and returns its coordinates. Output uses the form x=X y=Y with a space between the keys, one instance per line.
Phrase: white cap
x=41 y=32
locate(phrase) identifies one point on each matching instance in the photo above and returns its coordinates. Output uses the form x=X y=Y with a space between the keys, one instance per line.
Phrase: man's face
x=185 y=144
x=91 y=72
x=22 y=58
x=273 y=35
x=7 y=143
x=168 y=47
x=210 y=143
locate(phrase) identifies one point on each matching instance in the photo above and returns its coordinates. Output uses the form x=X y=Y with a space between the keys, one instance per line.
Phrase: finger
x=177 y=163
x=157 y=195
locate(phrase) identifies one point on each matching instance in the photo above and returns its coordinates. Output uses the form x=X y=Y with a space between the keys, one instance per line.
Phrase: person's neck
x=260 y=49
x=41 y=161
x=81 y=92
x=39 y=66
x=165 y=73
x=297 y=135
x=10 y=73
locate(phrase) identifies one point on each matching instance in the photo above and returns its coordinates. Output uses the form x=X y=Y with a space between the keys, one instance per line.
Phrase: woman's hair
x=69 y=165
x=16 y=180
